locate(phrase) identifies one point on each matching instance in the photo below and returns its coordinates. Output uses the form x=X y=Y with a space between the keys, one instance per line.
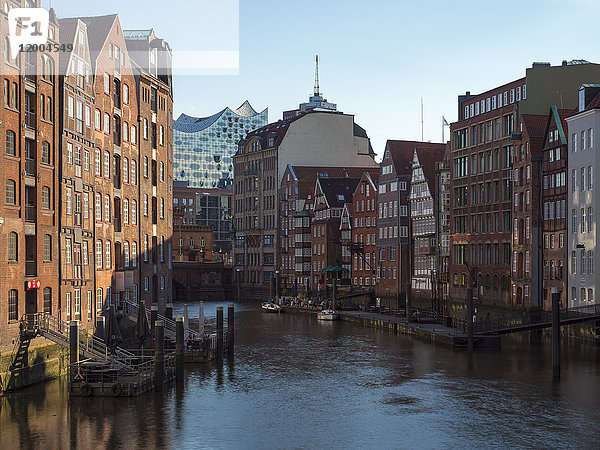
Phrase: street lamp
x=277 y=285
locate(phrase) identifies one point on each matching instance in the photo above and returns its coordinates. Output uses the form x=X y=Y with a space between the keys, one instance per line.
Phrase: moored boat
x=328 y=314
x=271 y=307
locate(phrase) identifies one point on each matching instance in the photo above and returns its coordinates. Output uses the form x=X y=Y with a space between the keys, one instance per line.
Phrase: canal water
x=295 y=382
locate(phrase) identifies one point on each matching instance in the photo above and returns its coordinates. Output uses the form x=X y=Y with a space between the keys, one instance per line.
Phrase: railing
x=133 y=310
x=59 y=332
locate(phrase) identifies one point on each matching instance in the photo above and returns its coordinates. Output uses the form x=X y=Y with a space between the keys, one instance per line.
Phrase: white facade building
x=583 y=205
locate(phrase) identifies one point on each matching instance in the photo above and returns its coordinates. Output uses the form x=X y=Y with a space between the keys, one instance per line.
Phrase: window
x=97 y=163
x=106 y=123
x=146 y=205
x=106 y=165
x=590 y=178
x=145 y=167
x=48 y=300
x=68 y=251
x=11 y=148
x=133 y=212
x=99 y=297
x=84 y=253
x=77 y=302
x=13 y=305
x=133 y=173
x=107 y=82
x=106 y=208
x=125 y=211
x=125 y=131
x=11 y=192
x=108 y=259
x=97 y=118
x=145 y=248
x=161 y=135
x=162 y=208
x=590 y=262
x=145 y=128
x=162 y=171
x=45 y=197
x=134 y=254
x=126 y=254
x=125 y=94
x=47 y=248
x=133 y=135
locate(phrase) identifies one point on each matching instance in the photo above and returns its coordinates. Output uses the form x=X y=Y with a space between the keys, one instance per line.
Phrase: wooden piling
x=159 y=356
x=179 y=349
x=169 y=311
x=556 y=335
x=74 y=342
x=201 y=318
x=470 y=319
x=219 y=332
x=153 y=319
x=230 y=328
x=408 y=303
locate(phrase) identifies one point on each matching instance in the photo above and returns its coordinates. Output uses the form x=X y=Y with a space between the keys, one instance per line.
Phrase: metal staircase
x=90 y=346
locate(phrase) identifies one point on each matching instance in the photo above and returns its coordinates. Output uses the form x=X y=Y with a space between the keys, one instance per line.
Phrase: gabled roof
x=559 y=118
x=307 y=175
x=279 y=128
x=428 y=157
x=535 y=125
x=402 y=153
x=98 y=28
x=366 y=176
x=68 y=27
x=338 y=191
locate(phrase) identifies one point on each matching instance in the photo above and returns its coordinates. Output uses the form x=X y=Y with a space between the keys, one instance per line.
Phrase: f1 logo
x=27 y=26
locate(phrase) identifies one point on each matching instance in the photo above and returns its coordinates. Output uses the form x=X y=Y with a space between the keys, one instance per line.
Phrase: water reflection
x=295 y=382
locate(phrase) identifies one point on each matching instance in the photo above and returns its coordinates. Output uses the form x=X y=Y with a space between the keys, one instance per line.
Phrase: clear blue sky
x=377 y=58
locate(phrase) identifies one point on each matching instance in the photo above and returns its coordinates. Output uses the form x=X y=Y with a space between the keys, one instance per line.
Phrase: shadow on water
x=369 y=387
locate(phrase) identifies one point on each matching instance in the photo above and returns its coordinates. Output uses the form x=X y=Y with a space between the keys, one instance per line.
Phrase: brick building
x=296 y=195
x=72 y=214
x=328 y=138
x=554 y=202
x=30 y=180
x=77 y=228
x=330 y=197
x=192 y=242
x=442 y=211
x=484 y=139
x=151 y=67
x=362 y=214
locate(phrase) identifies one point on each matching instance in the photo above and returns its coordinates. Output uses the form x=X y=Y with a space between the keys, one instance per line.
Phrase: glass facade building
x=204 y=147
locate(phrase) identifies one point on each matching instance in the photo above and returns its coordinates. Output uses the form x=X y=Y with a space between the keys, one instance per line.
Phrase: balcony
x=30 y=220
x=30 y=172
x=30 y=268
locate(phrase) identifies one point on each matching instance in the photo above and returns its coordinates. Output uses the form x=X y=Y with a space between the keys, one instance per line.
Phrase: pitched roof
x=428 y=157
x=402 y=153
x=535 y=125
x=307 y=175
x=338 y=191
x=66 y=36
x=98 y=28
x=190 y=124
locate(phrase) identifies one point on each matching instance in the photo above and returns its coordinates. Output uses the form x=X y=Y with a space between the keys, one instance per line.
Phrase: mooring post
x=74 y=342
x=153 y=319
x=159 y=356
x=408 y=303
x=169 y=311
x=185 y=321
x=556 y=335
x=230 y=328
x=470 y=319
x=201 y=318
x=179 y=348
x=100 y=326
x=277 y=285
x=238 y=282
x=219 y=332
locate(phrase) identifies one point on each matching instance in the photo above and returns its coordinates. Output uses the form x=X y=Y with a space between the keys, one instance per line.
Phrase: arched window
x=45 y=197
x=11 y=192
x=13 y=249
x=134 y=254
x=487 y=281
x=6 y=49
x=11 y=148
x=126 y=254
x=125 y=211
x=463 y=279
x=47 y=248
x=48 y=300
x=495 y=285
x=46 y=153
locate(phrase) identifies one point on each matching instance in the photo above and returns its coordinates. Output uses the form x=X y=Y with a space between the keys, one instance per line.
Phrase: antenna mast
x=317 y=93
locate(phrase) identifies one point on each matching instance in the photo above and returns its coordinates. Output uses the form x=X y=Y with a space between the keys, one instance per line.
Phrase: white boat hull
x=271 y=308
x=328 y=315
